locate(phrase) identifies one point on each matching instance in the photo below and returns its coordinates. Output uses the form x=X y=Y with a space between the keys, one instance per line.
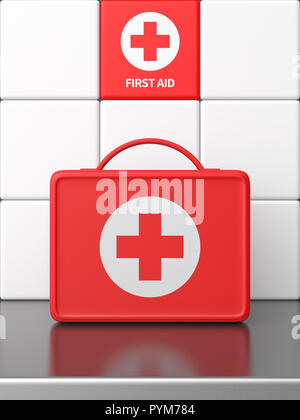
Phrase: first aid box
x=150 y=245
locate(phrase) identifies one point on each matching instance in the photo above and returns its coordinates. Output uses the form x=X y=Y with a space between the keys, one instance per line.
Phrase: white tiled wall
x=49 y=121
x=24 y=249
x=248 y=119
x=48 y=136
x=178 y=121
x=275 y=249
x=248 y=49
x=259 y=137
x=49 y=49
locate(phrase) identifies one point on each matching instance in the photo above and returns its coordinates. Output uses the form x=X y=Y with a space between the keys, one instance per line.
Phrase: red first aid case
x=147 y=246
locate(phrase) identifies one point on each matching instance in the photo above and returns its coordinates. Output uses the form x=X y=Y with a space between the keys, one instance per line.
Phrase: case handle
x=161 y=142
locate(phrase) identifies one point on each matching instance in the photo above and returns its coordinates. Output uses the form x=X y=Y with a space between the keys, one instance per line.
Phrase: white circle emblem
x=150 y=247
x=150 y=41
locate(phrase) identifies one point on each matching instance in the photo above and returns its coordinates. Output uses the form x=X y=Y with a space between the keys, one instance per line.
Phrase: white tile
x=49 y=0
x=177 y=121
x=235 y=0
x=41 y=137
x=24 y=250
x=259 y=137
x=50 y=49
x=250 y=49
x=275 y=250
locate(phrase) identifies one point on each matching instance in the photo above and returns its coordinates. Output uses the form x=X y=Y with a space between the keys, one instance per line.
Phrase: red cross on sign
x=150 y=247
x=150 y=41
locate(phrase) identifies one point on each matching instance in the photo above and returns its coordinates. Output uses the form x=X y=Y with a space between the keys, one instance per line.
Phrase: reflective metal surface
x=265 y=349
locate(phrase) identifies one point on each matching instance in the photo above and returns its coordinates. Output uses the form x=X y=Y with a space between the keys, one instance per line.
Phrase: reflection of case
x=139 y=351
x=217 y=285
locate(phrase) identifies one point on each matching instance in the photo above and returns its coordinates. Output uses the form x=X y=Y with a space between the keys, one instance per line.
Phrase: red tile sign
x=150 y=50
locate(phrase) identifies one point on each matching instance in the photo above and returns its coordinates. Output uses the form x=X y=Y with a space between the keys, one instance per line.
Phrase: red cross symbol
x=150 y=41
x=150 y=247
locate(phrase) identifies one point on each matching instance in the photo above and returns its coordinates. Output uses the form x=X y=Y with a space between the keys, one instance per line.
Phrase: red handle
x=166 y=143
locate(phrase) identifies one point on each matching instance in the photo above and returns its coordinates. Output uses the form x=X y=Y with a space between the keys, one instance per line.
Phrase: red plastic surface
x=183 y=72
